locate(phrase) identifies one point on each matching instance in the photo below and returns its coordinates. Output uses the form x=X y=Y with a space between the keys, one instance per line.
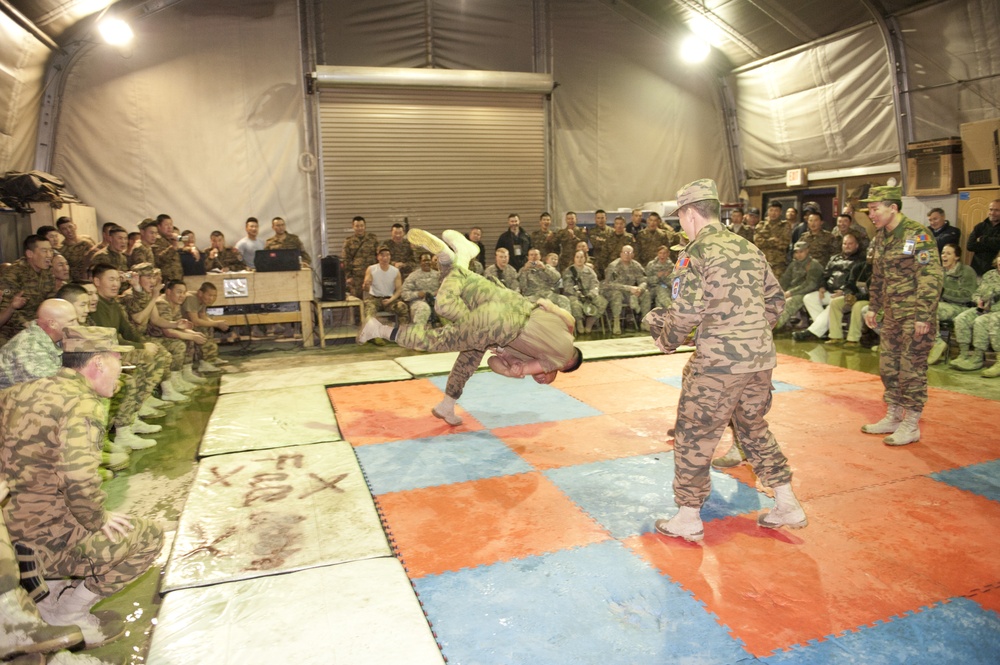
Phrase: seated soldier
x=838 y=268
x=501 y=272
x=219 y=258
x=27 y=283
x=977 y=327
x=57 y=507
x=176 y=331
x=526 y=339
x=803 y=275
x=114 y=253
x=540 y=280
x=60 y=271
x=282 y=239
x=33 y=353
x=581 y=286
x=854 y=300
x=195 y=310
x=383 y=288
x=960 y=283
x=658 y=272
x=624 y=281
x=419 y=289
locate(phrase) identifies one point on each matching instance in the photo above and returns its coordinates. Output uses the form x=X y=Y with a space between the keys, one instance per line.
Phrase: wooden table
x=258 y=288
x=339 y=332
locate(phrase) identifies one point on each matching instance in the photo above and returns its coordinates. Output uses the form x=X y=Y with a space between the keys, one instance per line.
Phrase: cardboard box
x=981 y=151
x=973 y=208
x=934 y=168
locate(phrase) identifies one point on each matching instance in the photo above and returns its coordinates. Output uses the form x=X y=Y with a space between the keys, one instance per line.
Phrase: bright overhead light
x=115 y=31
x=694 y=49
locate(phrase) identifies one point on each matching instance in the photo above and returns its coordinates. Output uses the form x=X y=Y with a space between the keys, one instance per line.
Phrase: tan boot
x=22 y=630
x=685 y=524
x=72 y=606
x=907 y=432
x=893 y=417
x=937 y=350
x=787 y=510
x=992 y=372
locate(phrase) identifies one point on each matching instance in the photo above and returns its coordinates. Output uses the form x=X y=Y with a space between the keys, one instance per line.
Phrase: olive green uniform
x=289 y=241
x=167 y=259
x=648 y=242
x=228 y=259
x=35 y=285
x=566 y=242
x=359 y=253
x=77 y=256
x=611 y=251
x=773 y=239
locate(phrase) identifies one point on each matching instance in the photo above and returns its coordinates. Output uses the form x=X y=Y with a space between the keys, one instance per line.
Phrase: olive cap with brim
x=699 y=190
x=91 y=339
x=886 y=193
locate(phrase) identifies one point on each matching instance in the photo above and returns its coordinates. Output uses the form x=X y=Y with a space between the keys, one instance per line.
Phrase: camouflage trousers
x=176 y=348
x=373 y=305
x=151 y=367
x=709 y=401
x=792 y=306
x=903 y=361
x=947 y=311
x=357 y=276
x=209 y=351
x=106 y=566
x=125 y=404
x=618 y=299
x=10 y=573
x=978 y=330
x=661 y=297
x=576 y=306
x=483 y=315
x=420 y=312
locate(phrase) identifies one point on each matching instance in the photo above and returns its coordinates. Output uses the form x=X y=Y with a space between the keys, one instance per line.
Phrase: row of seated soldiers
x=167 y=328
x=577 y=289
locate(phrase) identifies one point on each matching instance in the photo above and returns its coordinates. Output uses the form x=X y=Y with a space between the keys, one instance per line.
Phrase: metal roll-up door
x=438 y=158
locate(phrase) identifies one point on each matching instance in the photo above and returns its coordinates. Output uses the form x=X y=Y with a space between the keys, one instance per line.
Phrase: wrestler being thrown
x=525 y=338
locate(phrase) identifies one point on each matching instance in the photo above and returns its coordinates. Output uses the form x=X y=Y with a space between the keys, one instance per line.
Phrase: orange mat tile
x=444 y=528
x=578 y=441
x=653 y=423
x=619 y=396
x=654 y=367
x=989 y=599
x=396 y=411
x=591 y=373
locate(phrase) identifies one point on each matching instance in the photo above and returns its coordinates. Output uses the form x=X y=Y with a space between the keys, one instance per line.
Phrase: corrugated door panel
x=442 y=159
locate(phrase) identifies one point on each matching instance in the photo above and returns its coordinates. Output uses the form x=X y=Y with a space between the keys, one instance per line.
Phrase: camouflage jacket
x=989 y=289
x=418 y=281
x=508 y=278
x=745 y=231
x=906 y=272
x=401 y=252
x=78 y=257
x=565 y=242
x=611 y=251
x=597 y=239
x=773 y=239
x=545 y=242
x=582 y=285
x=648 y=242
x=724 y=289
x=620 y=275
x=166 y=310
x=802 y=277
x=290 y=241
x=141 y=254
x=110 y=257
x=229 y=259
x=538 y=281
x=959 y=284
x=822 y=245
x=359 y=253
x=167 y=259
x=51 y=431
x=133 y=302
x=29 y=355
x=658 y=273
x=36 y=286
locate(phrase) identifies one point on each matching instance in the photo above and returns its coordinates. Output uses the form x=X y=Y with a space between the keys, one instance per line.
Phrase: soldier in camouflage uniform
x=51 y=437
x=419 y=289
x=611 y=250
x=658 y=274
x=804 y=275
x=544 y=238
x=360 y=251
x=599 y=234
x=977 y=327
x=566 y=240
x=540 y=280
x=31 y=278
x=624 y=281
x=143 y=252
x=165 y=254
x=960 y=284
x=527 y=339
x=32 y=353
x=773 y=236
x=649 y=240
x=220 y=258
x=822 y=243
x=737 y=225
x=175 y=332
x=76 y=249
x=904 y=291
x=114 y=254
x=501 y=272
x=195 y=309
x=284 y=240
x=723 y=290
x=400 y=250
x=581 y=286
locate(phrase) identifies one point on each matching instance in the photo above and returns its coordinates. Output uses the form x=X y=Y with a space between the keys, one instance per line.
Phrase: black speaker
x=334 y=287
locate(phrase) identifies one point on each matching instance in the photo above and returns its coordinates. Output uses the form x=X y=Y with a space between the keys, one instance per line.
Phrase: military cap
x=800 y=245
x=145 y=268
x=91 y=339
x=680 y=245
x=753 y=211
x=146 y=223
x=810 y=206
x=384 y=248
x=884 y=193
x=699 y=190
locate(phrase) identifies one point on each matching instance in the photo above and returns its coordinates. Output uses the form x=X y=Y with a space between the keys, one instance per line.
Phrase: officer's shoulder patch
x=683 y=262
x=675 y=289
x=923 y=257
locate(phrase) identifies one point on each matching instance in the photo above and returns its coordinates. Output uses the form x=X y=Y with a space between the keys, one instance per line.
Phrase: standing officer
x=904 y=291
x=360 y=251
x=774 y=237
x=724 y=290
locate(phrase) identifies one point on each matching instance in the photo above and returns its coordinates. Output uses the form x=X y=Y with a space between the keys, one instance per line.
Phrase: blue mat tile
x=983 y=479
x=597 y=605
x=499 y=401
x=439 y=460
x=627 y=495
x=779 y=386
x=959 y=632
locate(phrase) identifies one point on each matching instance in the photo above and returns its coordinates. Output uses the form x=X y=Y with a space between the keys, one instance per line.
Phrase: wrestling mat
x=526 y=531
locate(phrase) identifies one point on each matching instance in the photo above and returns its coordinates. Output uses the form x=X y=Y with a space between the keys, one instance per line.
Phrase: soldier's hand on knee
x=921 y=328
x=117 y=526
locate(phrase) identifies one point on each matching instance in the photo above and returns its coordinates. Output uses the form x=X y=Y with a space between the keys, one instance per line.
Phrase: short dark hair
x=162 y=216
x=845 y=216
x=216 y=234
x=32 y=241
x=251 y=219
x=359 y=218
x=656 y=215
x=575 y=363
x=954 y=246
x=134 y=234
x=545 y=214
x=63 y=220
x=45 y=230
x=776 y=204
x=600 y=211
x=173 y=283
x=930 y=212
x=117 y=229
x=512 y=216
x=69 y=291
x=277 y=219
x=207 y=286
x=107 y=226
x=77 y=359
x=397 y=225
x=100 y=269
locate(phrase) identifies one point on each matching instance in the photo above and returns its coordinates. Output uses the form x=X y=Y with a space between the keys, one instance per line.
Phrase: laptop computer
x=276 y=260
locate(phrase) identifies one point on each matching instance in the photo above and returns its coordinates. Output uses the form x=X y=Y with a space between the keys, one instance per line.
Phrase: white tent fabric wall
x=202 y=120
x=949 y=42
x=829 y=106
x=631 y=123
x=22 y=67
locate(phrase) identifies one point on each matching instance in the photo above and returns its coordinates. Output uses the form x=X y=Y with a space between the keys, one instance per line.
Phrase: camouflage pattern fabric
x=545 y=241
x=566 y=242
x=509 y=278
x=29 y=355
x=822 y=245
x=358 y=254
x=289 y=241
x=960 y=284
x=584 y=287
x=401 y=252
x=658 y=274
x=598 y=236
x=141 y=254
x=617 y=278
x=209 y=351
x=10 y=573
x=648 y=242
x=109 y=257
x=773 y=239
x=745 y=231
x=124 y=405
x=176 y=347
x=229 y=259
x=978 y=330
x=374 y=305
x=167 y=259
x=542 y=282
x=800 y=278
x=968 y=329
x=610 y=252
x=36 y=286
x=78 y=257
x=420 y=282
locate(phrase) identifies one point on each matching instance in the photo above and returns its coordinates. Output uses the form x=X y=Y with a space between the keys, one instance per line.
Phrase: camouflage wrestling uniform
x=52 y=432
x=723 y=289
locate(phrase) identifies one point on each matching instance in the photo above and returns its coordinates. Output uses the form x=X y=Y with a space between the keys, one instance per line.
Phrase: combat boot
x=972 y=362
x=170 y=393
x=907 y=432
x=888 y=424
x=24 y=632
x=206 y=367
x=787 y=510
x=146 y=411
x=124 y=436
x=139 y=426
x=734 y=457
x=937 y=350
x=616 y=329
x=992 y=372
x=188 y=375
x=154 y=402
x=445 y=410
x=178 y=382
x=72 y=606
x=373 y=329
x=465 y=250
x=114 y=461
x=685 y=524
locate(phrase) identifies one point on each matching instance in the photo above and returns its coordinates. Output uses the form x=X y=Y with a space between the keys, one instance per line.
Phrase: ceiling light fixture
x=694 y=49
x=115 y=31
